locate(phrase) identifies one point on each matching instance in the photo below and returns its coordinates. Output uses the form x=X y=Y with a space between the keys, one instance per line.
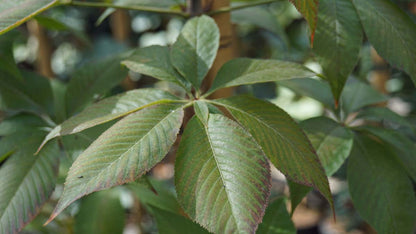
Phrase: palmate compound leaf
x=380 y=189
x=281 y=139
x=309 y=10
x=124 y=152
x=338 y=41
x=222 y=177
x=26 y=181
x=14 y=13
x=391 y=31
x=109 y=109
x=194 y=51
x=243 y=71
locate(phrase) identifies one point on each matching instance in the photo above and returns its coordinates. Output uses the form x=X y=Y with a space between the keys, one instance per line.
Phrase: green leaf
x=297 y=193
x=242 y=71
x=155 y=61
x=7 y=63
x=109 y=109
x=277 y=220
x=281 y=139
x=92 y=80
x=19 y=123
x=332 y=142
x=124 y=152
x=359 y=94
x=201 y=111
x=100 y=213
x=194 y=51
x=313 y=88
x=162 y=199
x=338 y=41
x=32 y=94
x=380 y=189
x=404 y=147
x=14 y=13
x=309 y=9
x=222 y=177
x=391 y=31
x=59 y=93
x=172 y=223
x=382 y=114
x=26 y=182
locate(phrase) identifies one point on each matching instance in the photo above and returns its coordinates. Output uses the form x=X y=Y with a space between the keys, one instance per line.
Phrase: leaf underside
x=124 y=152
x=222 y=177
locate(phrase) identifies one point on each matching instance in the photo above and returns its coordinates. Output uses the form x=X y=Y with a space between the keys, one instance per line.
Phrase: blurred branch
x=233 y=8
x=136 y=8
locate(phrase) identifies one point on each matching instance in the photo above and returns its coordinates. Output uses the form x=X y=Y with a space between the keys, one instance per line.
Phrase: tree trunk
x=44 y=55
x=227 y=45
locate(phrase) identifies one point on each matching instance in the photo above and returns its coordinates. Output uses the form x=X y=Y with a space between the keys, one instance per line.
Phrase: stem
x=234 y=8
x=137 y=8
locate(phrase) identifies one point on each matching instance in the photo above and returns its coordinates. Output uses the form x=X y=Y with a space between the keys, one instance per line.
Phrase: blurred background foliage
x=63 y=39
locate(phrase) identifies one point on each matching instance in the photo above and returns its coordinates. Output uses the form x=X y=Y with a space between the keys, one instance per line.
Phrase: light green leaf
x=194 y=51
x=155 y=61
x=201 y=111
x=391 y=31
x=332 y=142
x=403 y=147
x=242 y=71
x=109 y=109
x=100 y=213
x=277 y=220
x=26 y=182
x=14 y=13
x=359 y=94
x=93 y=80
x=338 y=41
x=124 y=152
x=313 y=88
x=281 y=139
x=380 y=189
x=173 y=223
x=309 y=9
x=222 y=177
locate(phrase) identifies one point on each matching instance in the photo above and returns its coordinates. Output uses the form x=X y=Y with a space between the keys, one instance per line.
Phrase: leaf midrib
x=222 y=177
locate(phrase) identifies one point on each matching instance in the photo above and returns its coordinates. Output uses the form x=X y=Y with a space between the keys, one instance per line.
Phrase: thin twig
x=233 y=8
x=137 y=8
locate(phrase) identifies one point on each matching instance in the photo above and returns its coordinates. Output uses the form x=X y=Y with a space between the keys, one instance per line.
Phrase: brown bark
x=43 y=61
x=227 y=45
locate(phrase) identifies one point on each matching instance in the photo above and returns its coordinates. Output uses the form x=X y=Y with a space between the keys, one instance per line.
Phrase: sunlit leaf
x=222 y=177
x=26 y=182
x=380 y=189
x=281 y=139
x=277 y=220
x=391 y=31
x=201 y=111
x=194 y=51
x=14 y=13
x=124 y=152
x=309 y=9
x=338 y=41
x=250 y=71
x=109 y=109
